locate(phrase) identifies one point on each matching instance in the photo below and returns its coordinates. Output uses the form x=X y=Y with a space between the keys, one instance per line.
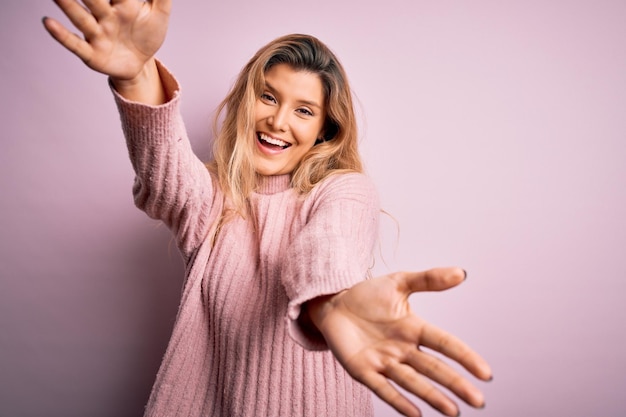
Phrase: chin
x=267 y=168
x=269 y=171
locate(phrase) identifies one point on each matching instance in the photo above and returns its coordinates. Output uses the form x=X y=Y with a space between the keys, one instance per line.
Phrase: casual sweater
x=237 y=347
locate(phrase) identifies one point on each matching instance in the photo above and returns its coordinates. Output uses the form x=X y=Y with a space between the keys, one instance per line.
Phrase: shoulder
x=346 y=186
x=347 y=180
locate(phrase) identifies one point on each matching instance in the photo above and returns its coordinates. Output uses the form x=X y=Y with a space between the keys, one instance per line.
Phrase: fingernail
x=464 y=275
x=490 y=379
x=482 y=407
x=43 y=19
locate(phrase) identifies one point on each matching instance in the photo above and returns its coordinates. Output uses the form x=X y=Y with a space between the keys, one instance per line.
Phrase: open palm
x=119 y=37
x=374 y=334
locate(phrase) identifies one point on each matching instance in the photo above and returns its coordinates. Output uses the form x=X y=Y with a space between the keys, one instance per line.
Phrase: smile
x=272 y=143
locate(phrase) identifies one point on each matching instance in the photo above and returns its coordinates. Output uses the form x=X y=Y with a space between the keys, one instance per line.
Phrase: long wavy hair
x=233 y=163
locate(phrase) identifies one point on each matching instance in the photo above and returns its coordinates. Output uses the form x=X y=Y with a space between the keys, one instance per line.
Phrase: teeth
x=273 y=141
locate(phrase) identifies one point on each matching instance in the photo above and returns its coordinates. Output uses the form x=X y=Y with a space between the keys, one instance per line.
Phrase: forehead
x=301 y=85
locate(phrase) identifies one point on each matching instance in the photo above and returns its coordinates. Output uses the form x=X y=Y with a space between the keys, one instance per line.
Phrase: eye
x=267 y=97
x=305 y=111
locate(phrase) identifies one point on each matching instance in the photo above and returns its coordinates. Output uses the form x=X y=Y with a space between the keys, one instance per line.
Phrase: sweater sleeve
x=334 y=250
x=171 y=183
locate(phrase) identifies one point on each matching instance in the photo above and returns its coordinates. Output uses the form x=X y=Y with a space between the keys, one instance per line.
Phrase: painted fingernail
x=464 y=275
x=482 y=407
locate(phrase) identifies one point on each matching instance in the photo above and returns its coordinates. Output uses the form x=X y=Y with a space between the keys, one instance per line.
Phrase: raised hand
x=374 y=334
x=119 y=36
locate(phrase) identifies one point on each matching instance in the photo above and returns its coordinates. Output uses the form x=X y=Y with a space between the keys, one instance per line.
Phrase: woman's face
x=289 y=116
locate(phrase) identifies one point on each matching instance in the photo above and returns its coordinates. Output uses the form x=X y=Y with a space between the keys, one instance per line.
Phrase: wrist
x=319 y=308
x=146 y=87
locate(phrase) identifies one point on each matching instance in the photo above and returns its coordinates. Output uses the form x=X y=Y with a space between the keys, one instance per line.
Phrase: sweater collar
x=273 y=184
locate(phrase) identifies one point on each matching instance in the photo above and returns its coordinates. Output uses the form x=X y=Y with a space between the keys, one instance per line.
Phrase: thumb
x=164 y=5
x=437 y=279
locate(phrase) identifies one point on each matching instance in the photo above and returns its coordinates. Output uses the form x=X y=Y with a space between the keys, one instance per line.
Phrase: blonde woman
x=277 y=317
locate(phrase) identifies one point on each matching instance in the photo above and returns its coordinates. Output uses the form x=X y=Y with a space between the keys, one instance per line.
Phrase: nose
x=279 y=119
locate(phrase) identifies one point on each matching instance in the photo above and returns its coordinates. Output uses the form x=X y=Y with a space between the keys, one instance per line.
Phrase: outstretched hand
x=375 y=335
x=120 y=36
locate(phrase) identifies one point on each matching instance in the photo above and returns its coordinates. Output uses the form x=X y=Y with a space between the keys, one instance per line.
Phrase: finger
x=386 y=392
x=455 y=349
x=437 y=279
x=99 y=8
x=68 y=39
x=406 y=377
x=80 y=17
x=444 y=375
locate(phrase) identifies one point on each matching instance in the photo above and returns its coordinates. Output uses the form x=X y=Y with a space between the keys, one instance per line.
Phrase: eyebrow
x=307 y=102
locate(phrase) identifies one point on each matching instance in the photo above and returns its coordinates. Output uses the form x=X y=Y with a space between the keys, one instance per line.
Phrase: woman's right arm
x=120 y=40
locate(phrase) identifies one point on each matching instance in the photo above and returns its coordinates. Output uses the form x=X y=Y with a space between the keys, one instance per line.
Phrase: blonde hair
x=233 y=148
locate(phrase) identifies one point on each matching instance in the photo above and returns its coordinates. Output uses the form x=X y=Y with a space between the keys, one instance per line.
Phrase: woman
x=276 y=318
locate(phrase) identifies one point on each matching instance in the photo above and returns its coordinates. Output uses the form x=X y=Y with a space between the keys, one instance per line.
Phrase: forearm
x=145 y=88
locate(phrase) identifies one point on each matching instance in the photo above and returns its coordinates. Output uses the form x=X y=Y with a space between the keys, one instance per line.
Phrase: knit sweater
x=237 y=347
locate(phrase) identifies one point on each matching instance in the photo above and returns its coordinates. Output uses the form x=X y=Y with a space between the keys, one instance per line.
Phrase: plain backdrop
x=494 y=130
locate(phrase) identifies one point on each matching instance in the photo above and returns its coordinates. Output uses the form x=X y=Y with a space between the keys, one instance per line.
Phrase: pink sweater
x=236 y=348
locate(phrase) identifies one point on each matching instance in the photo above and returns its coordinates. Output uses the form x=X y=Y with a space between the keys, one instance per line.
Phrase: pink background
x=496 y=132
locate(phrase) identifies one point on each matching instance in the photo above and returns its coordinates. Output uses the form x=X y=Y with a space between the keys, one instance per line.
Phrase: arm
x=171 y=183
x=333 y=250
x=372 y=331
x=120 y=40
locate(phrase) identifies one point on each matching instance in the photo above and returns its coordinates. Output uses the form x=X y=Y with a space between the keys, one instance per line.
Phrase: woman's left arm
x=375 y=335
x=331 y=248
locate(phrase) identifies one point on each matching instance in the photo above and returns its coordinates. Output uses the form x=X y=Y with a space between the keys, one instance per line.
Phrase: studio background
x=494 y=130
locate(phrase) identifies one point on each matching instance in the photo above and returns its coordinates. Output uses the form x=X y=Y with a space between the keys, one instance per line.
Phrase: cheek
x=311 y=133
x=307 y=139
x=257 y=116
x=260 y=112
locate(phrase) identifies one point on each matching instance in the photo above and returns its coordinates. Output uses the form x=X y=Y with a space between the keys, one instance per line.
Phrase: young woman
x=277 y=317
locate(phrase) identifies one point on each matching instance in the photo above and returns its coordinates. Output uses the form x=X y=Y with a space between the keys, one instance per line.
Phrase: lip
x=266 y=150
